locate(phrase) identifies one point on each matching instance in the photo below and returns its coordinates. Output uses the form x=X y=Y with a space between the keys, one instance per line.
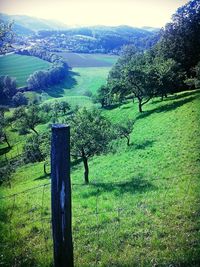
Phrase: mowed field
x=88 y=60
x=88 y=74
x=20 y=67
x=141 y=208
x=75 y=88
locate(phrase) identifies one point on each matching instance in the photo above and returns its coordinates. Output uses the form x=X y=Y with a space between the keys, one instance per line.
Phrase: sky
x=138 y=13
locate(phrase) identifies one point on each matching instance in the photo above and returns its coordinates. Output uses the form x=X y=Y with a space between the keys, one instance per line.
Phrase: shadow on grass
x=143 y=145
x=176 y=97
x=113 y=106
x=166 y=108
x=58 y=90
x=42 y=177
x=117 y=105
x=4 y=150
x=76 y=162
x=135 y=185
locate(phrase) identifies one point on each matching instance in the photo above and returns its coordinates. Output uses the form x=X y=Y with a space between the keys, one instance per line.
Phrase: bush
x=31 y=150
x=19 y=99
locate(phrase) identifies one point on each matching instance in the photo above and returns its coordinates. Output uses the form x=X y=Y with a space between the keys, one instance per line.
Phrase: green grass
x=20 y=67
x=141 y=207
x=73 y=89
x=80 y=81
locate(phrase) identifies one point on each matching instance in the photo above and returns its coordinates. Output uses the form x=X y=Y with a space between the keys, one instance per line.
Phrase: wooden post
x=61 y=196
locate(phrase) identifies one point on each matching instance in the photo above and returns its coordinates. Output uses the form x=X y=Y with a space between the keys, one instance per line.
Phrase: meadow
x=141 y=207
x=21 y=67
x=83 y=79
x=75 y=60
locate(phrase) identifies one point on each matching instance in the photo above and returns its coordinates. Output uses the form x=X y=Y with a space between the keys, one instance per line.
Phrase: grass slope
x=74 y=88
x=20 y=67
x=141 y=207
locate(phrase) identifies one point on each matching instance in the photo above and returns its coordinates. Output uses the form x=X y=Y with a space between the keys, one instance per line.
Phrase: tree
x=168 y=75
x=138 y=78
x=28 y=118
x=64 y=107
x=7 y=88
x=180 y=40
x=6 y=36
x=31 y=149
x=3 y=135
x=124 y=130
x=103 y=96
x=19 y=99
x=37 y=149
x=90 y=135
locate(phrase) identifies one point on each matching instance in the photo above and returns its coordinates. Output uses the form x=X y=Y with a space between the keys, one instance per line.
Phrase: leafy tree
x=124 y=130
x=19 y=99
x=180 y=40
x=28 y=118
x=90 y=135
x=7 y=88
x=103 y=96
x=64 y=107
x=31 y=150
x=6 y=36
x=3 y=123
x=168 y=75
x=37 y=149
x=137 y=78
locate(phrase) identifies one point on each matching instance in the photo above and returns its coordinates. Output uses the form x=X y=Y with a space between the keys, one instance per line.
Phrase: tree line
x=172 y=65
x=45 y=78
x=91 y=132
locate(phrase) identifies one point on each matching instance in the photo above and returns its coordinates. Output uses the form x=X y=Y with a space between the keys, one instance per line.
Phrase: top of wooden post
x=59 y=126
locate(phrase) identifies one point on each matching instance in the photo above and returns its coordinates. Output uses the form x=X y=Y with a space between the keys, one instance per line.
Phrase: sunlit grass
x=141 y=207
x=20 y=67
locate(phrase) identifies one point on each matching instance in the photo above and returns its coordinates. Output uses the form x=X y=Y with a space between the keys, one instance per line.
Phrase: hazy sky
x=94 y=12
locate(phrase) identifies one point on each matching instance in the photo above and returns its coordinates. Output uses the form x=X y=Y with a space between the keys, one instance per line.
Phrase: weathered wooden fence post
x=61 y=196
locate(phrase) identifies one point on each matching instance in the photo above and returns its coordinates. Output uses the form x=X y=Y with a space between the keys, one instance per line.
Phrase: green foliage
x=36 y=148
x=103 y=96
x=181 y=38
x=146 y=196
x=42 y=79
x=6 y=36
x=7 y=89
x=134 y=75
x=31 y=150
x=90 y=135
x=169 y=76
x=19 y=99
x=27 y=118
x=3 y=124
x=124 y=129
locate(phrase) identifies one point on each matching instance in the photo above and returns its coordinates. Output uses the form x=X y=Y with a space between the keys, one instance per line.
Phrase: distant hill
x=91 y=39
x=29 y=25
x=99 y=39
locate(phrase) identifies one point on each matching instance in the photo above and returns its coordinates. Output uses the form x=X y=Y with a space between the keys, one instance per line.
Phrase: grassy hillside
x=74 y=89
x=141 y=207
x=21 y=67
x=80 y=81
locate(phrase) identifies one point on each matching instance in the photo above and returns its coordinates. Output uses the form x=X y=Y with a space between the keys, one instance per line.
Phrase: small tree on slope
x=90 y=135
